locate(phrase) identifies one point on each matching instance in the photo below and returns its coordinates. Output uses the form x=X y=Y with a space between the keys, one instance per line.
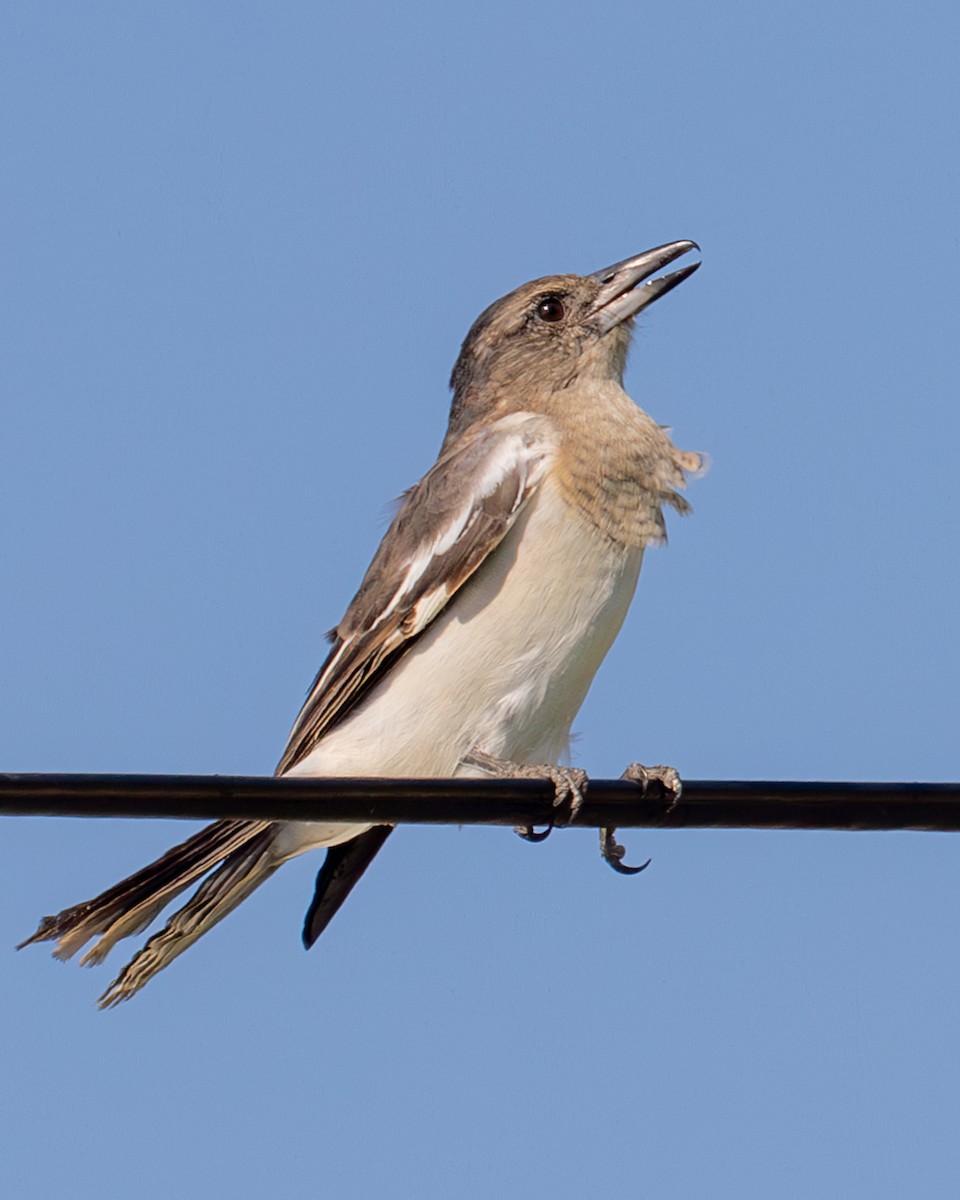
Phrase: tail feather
x=236 y=856
x=233 y=881
x=129 y=906
x=342 y=867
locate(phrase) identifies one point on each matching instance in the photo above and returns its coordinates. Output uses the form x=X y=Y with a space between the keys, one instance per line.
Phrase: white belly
x=504 y=668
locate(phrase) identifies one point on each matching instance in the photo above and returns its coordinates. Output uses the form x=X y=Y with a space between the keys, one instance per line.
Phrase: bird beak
x=620 y=297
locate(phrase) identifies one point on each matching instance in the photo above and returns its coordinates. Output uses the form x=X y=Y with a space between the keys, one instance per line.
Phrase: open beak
x=622 y=291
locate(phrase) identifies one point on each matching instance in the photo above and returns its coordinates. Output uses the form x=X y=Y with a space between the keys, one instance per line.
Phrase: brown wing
x=448 y=524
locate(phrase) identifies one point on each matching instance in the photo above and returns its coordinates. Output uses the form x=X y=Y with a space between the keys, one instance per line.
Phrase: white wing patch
x=425 y=555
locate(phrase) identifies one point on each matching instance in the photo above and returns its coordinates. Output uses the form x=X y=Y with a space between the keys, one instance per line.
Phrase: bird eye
x=551 y=309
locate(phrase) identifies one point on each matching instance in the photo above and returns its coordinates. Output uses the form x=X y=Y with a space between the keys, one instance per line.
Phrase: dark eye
x=551 y=309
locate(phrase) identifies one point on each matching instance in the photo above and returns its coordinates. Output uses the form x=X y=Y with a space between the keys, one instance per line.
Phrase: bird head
x=558 y=331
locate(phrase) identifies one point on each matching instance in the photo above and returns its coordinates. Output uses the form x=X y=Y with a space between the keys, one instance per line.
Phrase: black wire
x=703 y=804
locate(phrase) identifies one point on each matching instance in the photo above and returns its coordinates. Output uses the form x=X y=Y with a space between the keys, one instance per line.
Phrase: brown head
x=557 y=331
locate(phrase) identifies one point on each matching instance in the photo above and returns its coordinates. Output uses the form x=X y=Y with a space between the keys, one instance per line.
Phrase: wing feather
x=447 y=525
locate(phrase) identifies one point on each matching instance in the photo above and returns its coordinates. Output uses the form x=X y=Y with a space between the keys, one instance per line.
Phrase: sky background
x=241 y=244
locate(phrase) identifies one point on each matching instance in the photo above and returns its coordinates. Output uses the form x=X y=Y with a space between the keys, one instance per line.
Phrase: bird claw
x=529 y=834
x=612 y=852
x=569 y=784
x=610 y=849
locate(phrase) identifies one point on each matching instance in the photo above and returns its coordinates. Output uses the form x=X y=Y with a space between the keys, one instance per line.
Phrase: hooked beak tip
x=626 y=288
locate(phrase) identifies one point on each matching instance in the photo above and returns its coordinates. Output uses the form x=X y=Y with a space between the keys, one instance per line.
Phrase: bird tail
x=241 y=852
x=342 y=868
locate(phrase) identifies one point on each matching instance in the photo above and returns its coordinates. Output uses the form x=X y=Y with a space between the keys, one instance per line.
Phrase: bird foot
x=668 y=778
x=610 y=849
x=569 y=784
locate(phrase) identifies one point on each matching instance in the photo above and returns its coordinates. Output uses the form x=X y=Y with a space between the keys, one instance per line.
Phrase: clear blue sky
x=241 y=244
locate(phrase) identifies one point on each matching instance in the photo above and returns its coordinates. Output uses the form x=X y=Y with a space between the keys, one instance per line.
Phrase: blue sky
x=241 y=246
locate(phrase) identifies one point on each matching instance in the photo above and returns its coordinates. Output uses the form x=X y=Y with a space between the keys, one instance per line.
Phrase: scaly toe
x=668 y=778
x=570 y=784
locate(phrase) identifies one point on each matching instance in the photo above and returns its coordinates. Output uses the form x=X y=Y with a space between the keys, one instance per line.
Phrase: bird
x=482 y=619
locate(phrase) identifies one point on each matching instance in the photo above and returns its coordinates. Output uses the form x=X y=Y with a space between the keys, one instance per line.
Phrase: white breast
x=504 y=668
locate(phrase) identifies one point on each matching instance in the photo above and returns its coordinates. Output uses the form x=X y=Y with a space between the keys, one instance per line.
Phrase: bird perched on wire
x=478 y=627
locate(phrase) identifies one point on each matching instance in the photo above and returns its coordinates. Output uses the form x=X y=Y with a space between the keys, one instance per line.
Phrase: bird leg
x=610 y=849
x=568 y=783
